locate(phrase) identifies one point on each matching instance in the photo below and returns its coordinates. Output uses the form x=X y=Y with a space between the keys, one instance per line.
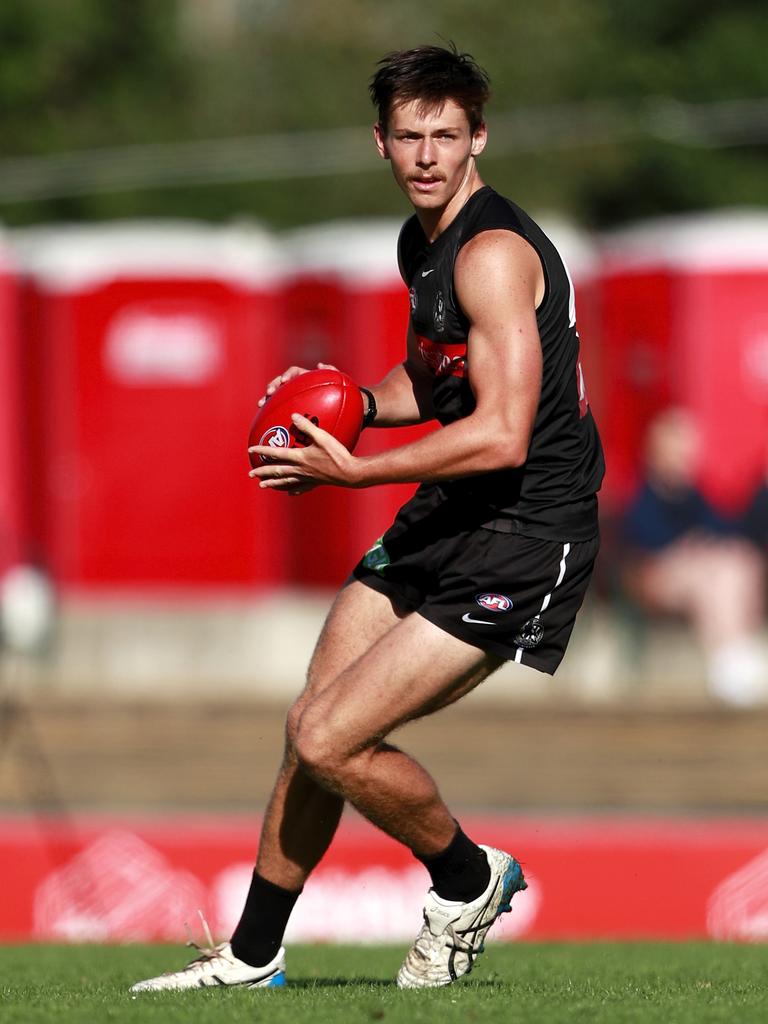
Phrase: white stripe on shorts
x=548 y=598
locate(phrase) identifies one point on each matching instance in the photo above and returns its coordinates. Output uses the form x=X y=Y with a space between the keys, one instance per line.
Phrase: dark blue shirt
x=654 y=520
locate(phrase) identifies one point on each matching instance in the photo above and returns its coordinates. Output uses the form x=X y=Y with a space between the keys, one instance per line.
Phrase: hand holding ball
x=327 y=397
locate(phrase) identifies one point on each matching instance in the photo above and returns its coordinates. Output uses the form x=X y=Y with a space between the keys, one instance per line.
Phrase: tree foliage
x=85 y=74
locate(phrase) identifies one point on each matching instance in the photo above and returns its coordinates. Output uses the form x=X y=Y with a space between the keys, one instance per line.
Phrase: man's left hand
x=297 y=470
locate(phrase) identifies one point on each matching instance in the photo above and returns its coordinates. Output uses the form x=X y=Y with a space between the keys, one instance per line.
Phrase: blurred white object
x=27 y=609
x=737 y=672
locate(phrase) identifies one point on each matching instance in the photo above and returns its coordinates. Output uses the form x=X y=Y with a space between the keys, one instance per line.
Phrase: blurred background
x=190 y=201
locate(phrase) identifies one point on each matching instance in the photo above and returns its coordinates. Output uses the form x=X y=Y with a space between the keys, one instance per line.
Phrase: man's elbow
x=505 y=441
x=509 y=450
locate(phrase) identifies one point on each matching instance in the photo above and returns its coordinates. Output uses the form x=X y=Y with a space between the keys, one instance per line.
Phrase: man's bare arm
x=498 y=280
x=404 y=396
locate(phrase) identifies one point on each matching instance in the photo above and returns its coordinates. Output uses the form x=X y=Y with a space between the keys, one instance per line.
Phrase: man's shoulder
x=489 y=205
x=410 y=232
x=496 y=244
x=487 y=212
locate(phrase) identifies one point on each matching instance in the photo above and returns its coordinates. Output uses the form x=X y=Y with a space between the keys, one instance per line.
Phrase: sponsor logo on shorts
x=494 y=602
x=531 y=634
x=376 y=557
x=483 y=622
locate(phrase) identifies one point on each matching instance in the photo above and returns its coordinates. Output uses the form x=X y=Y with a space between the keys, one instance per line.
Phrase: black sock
x=461 y=871
x=259 y=933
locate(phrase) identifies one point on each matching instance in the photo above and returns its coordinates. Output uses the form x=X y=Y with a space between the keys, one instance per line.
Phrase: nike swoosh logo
x=484 y=622
x=426 y=273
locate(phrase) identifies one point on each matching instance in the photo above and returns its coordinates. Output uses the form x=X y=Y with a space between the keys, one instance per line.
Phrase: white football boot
x=452 y=935
x=217 y=966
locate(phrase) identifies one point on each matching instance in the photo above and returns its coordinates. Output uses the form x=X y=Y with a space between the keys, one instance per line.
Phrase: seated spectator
x=753 y=521
x=687 y=559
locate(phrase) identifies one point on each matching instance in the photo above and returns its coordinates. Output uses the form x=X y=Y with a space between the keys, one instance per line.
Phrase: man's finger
x=306 y=426
x=283 y=483
x=285 y=456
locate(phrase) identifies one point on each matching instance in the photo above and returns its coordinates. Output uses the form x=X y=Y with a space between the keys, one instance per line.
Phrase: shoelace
x=462 y=941
x=204 y=953
x=428 y=945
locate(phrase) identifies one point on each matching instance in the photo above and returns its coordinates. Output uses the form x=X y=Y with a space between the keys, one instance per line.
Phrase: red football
x=329 y=398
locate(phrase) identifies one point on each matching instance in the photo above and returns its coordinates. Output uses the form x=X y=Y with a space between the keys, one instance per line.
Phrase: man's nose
x=426 y=154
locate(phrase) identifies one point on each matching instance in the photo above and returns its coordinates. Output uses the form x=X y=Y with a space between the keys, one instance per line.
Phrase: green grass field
x=545 y=983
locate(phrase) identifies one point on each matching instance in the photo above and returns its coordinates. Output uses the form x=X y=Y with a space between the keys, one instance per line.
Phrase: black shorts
x=513 y=595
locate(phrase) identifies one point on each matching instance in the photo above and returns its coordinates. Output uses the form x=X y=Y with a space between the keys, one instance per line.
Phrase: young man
x=488 y=562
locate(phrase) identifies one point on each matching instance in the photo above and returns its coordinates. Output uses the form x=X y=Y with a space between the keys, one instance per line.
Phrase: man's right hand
x=289 y=374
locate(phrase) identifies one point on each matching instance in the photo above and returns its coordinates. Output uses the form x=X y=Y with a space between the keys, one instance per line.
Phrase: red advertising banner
x=141 y=880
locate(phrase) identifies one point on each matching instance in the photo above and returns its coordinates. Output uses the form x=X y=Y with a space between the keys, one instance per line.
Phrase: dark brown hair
x=431 y=74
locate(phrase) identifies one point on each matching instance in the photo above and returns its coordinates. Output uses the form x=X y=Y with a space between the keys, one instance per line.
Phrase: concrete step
x=152 y=755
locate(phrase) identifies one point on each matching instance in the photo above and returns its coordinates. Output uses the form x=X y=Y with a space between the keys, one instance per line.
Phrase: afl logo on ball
x=494 y=602
x=275 y=437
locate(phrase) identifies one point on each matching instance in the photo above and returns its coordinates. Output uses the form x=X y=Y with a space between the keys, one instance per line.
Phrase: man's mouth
x=426 y=183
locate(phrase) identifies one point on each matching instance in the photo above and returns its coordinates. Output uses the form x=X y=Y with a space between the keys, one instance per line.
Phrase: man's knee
x=292 y=720
x=313 y=687
x=319 y=748
x=317 y=681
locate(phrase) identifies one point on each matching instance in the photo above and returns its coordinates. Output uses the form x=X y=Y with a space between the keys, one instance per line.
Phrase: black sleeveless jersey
x=553 y=495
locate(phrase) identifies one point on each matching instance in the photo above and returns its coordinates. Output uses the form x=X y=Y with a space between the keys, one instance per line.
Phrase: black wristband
x=370 y=414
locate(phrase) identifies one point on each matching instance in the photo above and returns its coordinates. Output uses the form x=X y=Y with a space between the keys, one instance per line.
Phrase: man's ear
x=479 y=140
x=380 y=140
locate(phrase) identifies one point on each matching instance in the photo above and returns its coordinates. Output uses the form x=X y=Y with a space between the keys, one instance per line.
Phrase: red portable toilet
x=685 y=321
x=346 y=305
x=579 y=252
x=147 y=344
x=12 y=517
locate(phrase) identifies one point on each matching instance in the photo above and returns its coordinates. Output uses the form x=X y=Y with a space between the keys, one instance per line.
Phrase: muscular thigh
x=358 y=618
x=412 y=669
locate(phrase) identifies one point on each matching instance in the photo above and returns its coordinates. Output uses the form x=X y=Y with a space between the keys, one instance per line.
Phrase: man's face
x=431 y=151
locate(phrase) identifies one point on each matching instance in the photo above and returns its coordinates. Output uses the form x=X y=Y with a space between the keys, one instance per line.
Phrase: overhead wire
x=336 y=151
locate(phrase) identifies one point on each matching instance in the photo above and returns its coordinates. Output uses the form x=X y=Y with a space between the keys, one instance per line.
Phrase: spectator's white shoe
x=217 y=966
x=738 y=673
x=452 y=936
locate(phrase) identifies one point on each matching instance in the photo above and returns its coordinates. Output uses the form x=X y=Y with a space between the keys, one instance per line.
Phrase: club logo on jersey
x=438 y=312
x=531 y=634
x=494 y=602
x=275 y=437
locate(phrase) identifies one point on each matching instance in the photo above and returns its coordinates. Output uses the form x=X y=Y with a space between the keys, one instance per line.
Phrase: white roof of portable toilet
x=6 y=260
x=576 y=246
x=364 y=252
x=359 y=252
x=70 y=257
x=722 y=240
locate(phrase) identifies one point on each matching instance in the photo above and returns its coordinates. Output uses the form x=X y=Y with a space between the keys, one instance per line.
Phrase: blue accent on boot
x=513 y=882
